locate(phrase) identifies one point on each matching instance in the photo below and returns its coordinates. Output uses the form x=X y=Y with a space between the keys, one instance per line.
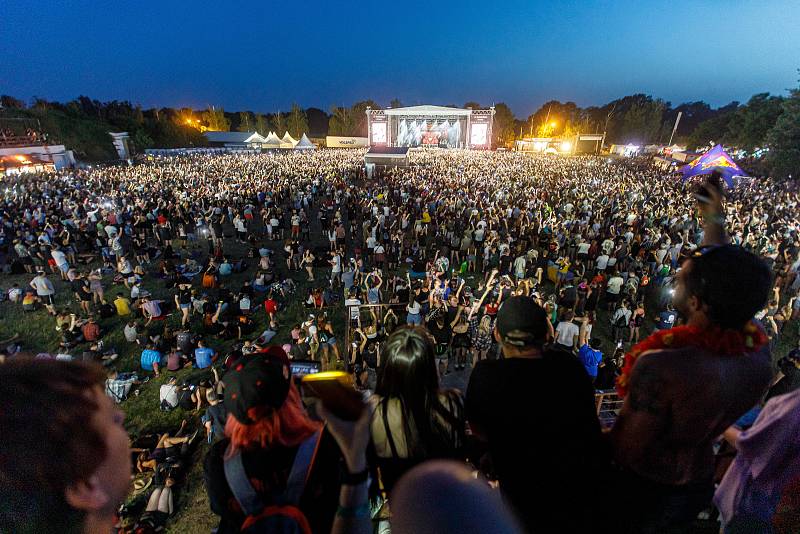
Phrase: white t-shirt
x=602 y=262
x=614 y=285
x=169 y=393
x=566 y=332
x=583 y=248
x=59 y=257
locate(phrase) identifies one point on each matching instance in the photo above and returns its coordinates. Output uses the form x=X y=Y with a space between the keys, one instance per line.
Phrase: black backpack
x=107 y=310
x=281 y=514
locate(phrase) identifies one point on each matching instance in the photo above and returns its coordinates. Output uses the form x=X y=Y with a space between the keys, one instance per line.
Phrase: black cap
x=259 y=379
x=521 y=322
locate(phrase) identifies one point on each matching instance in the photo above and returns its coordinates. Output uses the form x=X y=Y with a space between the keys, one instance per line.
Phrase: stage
x=430 y=126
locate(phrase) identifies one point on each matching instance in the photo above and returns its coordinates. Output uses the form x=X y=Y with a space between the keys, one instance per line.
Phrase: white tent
x=272 y=141
x=304 y=144
x=289 y=140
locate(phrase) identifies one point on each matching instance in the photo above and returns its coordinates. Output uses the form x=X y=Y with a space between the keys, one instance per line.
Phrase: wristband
x=353 y=512
x=353 y=479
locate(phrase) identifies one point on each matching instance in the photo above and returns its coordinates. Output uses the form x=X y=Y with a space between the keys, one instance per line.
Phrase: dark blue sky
x=264 y=55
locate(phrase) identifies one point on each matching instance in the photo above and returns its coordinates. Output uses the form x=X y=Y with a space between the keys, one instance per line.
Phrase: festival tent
x=304 y=144
x=288 y=139
x=272 y=141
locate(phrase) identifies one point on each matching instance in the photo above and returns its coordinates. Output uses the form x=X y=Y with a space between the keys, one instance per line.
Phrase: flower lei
x=717 y=340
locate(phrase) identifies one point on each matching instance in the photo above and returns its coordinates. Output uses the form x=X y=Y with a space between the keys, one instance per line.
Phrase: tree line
x=765 y=122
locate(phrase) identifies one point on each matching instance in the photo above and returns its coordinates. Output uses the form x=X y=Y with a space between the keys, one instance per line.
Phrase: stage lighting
x=566 y=146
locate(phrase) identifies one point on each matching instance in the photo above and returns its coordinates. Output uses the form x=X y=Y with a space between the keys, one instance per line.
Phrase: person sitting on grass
x=204 y=356
x=151 y=359
x=151 y=310
x=122 y=305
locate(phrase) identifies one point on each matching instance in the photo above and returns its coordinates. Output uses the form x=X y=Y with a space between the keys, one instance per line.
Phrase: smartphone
x=336 y=390
x=305 y=367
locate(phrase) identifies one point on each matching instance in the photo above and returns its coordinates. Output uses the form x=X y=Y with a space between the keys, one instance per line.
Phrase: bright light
x=566 y=146
x=539 y=145
x=553 y=124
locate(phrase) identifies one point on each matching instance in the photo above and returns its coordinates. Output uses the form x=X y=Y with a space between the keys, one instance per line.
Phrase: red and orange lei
x=716 y=340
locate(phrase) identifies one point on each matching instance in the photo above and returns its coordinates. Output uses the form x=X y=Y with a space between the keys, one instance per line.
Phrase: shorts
x=186 y=306
x=64 y=267
x=47 y=299
x=414 y=318
x=461 y=341
x=612 y=297
x=441 y=352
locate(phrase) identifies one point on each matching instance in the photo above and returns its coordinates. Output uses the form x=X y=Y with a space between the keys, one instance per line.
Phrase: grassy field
x=38 y=334
x=143 y=416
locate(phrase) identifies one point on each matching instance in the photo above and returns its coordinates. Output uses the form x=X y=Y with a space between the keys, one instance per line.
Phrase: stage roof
x=428 y=110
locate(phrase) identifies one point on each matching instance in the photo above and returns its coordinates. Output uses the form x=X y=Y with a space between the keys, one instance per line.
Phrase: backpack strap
x=303 y=461
x=240 y=485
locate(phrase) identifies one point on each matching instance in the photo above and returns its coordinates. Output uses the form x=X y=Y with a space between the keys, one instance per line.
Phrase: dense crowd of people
x=535 y=280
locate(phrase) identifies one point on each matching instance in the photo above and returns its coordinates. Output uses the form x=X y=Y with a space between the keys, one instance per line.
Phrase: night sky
x=264 y=55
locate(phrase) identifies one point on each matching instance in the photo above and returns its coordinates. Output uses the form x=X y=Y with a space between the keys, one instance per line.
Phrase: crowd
x=534 y=280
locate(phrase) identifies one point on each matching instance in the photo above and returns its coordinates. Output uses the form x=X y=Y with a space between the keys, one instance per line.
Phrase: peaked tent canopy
x=289 y=139
x=272 y=141
x=304 y=144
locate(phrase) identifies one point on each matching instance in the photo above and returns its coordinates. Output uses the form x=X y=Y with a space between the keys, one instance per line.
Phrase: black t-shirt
x=441 y=335
x=185 y=341
x=271 y=468
x=544 y=437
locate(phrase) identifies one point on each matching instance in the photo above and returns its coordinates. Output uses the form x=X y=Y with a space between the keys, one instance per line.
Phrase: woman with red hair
x=270 y=437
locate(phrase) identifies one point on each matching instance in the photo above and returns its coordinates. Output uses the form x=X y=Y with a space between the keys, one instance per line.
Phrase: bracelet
x=353 y=512
x=353 y=479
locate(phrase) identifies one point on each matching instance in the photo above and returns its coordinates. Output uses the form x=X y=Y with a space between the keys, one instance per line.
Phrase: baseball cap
x=522 y=322
x=259 y=379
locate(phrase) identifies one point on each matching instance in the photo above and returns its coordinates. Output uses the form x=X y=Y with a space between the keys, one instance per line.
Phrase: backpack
x=107 y=310
x=281 y=514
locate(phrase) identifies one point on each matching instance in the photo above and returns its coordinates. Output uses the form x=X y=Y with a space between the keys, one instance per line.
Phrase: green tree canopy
x=215 y=119
x=246 y=122
x=297 y=122
x=783 y=157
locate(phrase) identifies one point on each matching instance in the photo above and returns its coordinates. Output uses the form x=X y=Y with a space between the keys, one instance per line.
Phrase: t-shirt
x=123 y=306
x=130 y=333
x=149 y=357
x=566 y=332
x=590 y=359
x=202 y=357
x=540 y=420
x=169 y=393
x=614 y=285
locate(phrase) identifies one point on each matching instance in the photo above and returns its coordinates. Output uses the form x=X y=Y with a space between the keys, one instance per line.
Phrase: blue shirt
x=202 y=357
x=149 y=357
x=225 y=269
x=590 y=359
